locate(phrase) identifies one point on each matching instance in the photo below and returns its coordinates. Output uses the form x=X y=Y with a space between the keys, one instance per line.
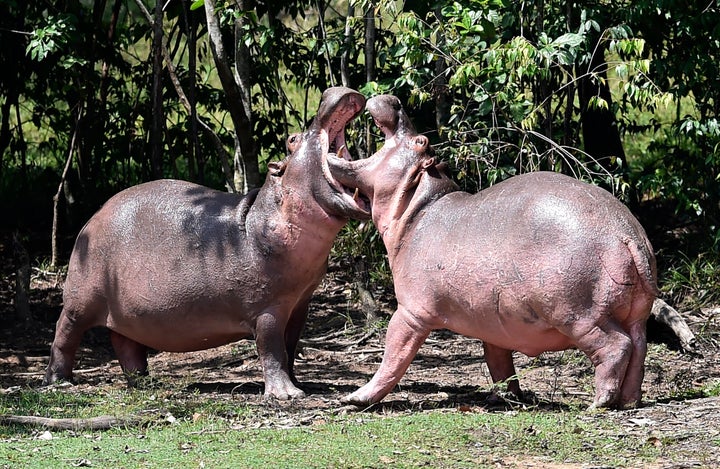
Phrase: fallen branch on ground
x=104 y=422
x=667 y=315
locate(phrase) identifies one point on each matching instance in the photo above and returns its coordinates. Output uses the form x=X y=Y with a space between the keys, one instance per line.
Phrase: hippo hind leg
x=632 y=384
x=132 y=357
x=609 y=348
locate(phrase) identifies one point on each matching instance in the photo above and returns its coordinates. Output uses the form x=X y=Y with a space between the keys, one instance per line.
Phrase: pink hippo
x=179 y=267
x=540 y=262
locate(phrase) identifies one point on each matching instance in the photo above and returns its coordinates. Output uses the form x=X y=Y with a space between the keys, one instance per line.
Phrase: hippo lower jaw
x=351 y=196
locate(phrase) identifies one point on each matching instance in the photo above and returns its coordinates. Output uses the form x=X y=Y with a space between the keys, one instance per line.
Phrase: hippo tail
x=644 y=260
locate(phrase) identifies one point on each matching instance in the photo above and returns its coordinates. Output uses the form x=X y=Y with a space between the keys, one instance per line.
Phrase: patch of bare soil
x=339 y=354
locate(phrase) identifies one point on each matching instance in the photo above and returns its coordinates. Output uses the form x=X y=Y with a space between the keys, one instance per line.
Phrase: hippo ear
x=443 y=167
x=428 y=163
x=277 y=168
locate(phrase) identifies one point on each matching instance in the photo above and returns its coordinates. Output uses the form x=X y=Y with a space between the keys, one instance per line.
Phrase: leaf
x=596 y=102
x=568 y=39
x=197 y=4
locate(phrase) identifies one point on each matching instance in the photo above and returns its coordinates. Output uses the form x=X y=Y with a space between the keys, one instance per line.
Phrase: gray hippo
x=540 y=262
x=179 y=267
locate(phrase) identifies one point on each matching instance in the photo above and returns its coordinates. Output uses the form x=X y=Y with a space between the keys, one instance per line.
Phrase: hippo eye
x=292 y=142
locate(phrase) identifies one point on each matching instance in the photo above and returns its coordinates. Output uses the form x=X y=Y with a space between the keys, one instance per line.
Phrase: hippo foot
x=610 y=399
x=357 y=399
x=138 y=379
x=284 y=394
x=595 y=407
x=58 y=383
x=57 y=379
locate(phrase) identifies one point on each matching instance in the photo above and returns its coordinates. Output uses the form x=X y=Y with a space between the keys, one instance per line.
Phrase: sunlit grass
x=191 y=430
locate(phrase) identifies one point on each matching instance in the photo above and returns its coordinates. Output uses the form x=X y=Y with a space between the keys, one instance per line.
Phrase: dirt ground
x=339 y=354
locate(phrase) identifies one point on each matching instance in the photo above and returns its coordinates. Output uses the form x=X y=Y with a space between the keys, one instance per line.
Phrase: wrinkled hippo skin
x=540 y=262
x=178 y=267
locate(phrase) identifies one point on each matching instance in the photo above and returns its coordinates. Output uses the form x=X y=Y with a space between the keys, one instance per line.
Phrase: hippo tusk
x=357 y=192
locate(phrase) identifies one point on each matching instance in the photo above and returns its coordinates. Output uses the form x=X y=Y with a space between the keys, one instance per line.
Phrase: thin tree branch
x=56 y=197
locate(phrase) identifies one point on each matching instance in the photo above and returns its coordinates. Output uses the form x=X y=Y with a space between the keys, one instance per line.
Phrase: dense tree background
x=98 y=95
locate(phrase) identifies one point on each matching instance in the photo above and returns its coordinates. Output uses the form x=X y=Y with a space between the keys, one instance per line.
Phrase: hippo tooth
x=339 y=153
x=355 y=195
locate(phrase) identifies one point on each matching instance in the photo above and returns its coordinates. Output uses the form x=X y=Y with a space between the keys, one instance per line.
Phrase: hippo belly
x=492 y=313
x=189 y=332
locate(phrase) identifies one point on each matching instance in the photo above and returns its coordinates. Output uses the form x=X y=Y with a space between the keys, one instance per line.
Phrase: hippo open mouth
x=333 y=143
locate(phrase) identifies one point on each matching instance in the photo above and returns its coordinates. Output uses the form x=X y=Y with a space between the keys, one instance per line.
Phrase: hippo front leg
x=405 y=335
x=271 y=347
x=70 y=327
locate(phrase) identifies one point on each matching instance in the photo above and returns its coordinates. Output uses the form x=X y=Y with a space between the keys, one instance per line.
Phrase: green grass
x=220 y=432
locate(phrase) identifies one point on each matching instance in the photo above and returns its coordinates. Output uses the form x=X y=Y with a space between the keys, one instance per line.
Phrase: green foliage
x=49 y=39
x=499 y=89
x=504 y=87
x=694 y=281
x=361 y=241
x=712 y=388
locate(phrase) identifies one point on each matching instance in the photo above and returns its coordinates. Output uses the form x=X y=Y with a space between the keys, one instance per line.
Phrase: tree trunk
x=370 y=34
x=440 y=86
x=104 y=422
x=249 y=174
x=569 y=128
x=56 y=199
x=361 y=267
x=14 y=82
x=22 y=280
x=5 y=115
x=348 y=47
x=323 y=36
x=22 y=147
x=668 y=316
x=158 y=117
x=207 y=130
x=193 y=154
